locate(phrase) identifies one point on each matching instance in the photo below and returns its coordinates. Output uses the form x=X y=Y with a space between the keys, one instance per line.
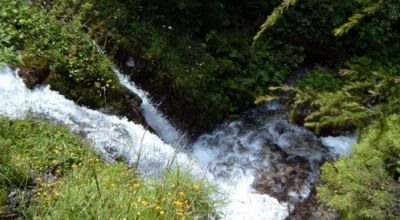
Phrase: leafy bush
x=319 y=80
x=33 y=39
x=207 y=70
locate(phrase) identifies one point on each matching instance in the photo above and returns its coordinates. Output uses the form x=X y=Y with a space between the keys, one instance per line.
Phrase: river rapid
x=250 y=159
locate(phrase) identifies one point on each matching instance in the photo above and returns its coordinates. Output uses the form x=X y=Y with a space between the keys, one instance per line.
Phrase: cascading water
x=111 y=136
x=237 y=156
x=165 y=130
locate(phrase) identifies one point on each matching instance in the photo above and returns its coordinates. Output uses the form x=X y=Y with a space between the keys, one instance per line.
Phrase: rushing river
x=236 y=156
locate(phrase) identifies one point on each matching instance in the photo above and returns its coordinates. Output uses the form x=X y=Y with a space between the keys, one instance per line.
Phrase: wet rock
x=8 y=216
x=130 y=62
x=283 y=157
x=131 y=108
x=286 y=180
x=311 y=209
x=133 y=96
x=34 y=75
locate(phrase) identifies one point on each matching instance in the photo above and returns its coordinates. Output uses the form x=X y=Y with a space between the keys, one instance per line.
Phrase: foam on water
x=340 y=145
x=165 y=130
x=117 y=137
x=110 y=135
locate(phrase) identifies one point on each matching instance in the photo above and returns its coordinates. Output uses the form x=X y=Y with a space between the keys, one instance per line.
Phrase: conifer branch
x=275 y=15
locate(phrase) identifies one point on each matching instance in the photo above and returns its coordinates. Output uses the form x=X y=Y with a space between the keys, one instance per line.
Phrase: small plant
x=71 y=182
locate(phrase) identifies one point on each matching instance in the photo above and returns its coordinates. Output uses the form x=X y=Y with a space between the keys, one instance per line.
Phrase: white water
x=241 y=152
x=117 y=137
x=165 y=130
x=231 y=156
x=110 y=135
x=341 y=145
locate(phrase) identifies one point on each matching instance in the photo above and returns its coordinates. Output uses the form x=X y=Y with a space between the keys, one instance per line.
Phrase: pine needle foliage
x=368 y=95
x=356 y=18
x=275 y=15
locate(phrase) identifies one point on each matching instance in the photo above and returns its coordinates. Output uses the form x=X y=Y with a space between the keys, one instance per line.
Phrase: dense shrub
x=365 y=185
x=36 y=41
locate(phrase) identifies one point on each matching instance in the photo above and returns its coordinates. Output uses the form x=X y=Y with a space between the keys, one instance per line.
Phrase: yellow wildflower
x=179 y=213
x=196 y=186
x=178 y=203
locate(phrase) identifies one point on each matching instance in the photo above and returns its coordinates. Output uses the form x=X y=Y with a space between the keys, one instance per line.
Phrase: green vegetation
x=207 y=65
x=60 y=53
x=362 y=49
x=71 y=182
x=320 y=80
x=359 y=40
x=207 y=62
x=365 y=185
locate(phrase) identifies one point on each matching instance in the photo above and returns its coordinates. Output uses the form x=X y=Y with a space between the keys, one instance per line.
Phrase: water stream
x=237 y=156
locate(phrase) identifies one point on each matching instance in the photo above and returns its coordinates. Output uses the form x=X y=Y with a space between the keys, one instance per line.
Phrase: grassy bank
x=54 y=175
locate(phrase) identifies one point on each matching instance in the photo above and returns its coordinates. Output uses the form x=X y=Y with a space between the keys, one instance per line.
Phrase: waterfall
x=165 y=130
x=235 y=156
x=111 y=136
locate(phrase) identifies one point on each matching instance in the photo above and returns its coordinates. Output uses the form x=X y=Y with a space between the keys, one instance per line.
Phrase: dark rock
x=284 y=178
x=133 y=96
x=311 y=209
x=35 y=74
x=130 y=62
x=8 y=216
x=12 y=200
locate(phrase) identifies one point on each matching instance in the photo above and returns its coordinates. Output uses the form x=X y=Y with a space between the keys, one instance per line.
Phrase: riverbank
x=50 y=173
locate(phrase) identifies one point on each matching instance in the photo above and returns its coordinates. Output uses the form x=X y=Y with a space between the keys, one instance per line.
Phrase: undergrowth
x=60 y=177
x=60 y=52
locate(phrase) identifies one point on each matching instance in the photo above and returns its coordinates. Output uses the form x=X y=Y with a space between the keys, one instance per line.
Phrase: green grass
x=85 y=187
